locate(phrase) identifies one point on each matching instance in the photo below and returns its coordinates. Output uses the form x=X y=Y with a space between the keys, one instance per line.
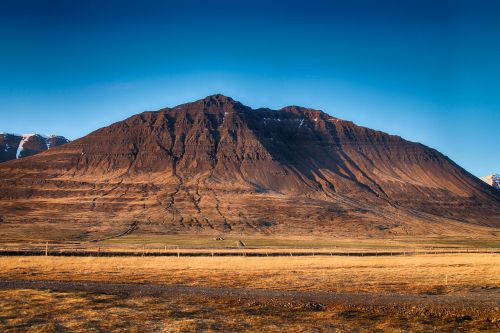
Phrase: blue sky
x=426 y=70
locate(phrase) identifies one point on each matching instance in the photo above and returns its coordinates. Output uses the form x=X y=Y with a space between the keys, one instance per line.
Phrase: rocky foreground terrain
x=216 y=165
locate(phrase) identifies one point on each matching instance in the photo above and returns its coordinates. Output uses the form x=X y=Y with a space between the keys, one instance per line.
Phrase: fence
x=84 y=250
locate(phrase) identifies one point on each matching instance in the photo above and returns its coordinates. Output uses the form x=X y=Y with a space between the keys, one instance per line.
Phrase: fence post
x=46 y=249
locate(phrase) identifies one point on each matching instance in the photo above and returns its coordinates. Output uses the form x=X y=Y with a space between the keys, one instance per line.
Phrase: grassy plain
x=410 y=274
x=468 y=276
x=203 y=241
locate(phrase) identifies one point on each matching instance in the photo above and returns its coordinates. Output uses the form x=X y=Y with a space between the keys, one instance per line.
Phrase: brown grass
x=44 y=311
x=410 y=274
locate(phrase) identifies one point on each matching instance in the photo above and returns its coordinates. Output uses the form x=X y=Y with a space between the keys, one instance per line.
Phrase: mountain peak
x=213 y=102
x=219 y=99
x=493 y=180
x=15 y=146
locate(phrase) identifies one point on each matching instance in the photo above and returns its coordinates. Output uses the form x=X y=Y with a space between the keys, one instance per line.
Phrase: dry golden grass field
x=410 y=274
x=420 y=293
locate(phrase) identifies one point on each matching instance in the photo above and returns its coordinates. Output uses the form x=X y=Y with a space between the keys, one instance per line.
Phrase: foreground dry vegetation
x=45 y=311
x=410 y=274
x=413 y=293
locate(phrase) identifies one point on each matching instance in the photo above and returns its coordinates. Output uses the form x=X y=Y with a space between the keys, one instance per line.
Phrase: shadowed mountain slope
x=215 y=165
x=14 y=146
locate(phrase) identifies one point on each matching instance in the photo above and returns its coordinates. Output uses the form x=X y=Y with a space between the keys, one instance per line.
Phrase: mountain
x=216 y=165
x=14 y=146
x=493 y=180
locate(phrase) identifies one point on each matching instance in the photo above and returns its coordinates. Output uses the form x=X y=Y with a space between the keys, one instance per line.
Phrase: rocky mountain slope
x=215 y=165
x=493 y=180
x=14 y=146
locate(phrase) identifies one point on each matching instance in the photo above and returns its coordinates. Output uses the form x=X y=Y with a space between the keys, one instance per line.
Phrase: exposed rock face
x=215 y=165
x=13 y=146
x=493 y=180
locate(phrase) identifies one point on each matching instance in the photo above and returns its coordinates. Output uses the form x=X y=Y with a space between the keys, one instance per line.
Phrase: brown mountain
x=215 y=165
x=14 y=146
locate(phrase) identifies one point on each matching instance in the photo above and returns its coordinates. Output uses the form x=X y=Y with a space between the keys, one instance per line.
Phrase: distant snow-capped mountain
x=14 y=146
x=493 y=180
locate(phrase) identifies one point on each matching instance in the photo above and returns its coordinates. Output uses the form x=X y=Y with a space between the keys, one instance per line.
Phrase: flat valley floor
x=417 y=293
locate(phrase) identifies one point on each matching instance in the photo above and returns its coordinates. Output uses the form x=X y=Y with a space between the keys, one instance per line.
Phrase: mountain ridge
x=15 y=146
x=216 y=165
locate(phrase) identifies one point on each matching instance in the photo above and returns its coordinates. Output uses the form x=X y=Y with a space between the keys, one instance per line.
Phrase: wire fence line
x=80 y=250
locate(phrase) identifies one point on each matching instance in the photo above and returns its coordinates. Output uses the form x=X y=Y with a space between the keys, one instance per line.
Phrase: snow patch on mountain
x=493 y=180
x=21 y=144
x=16 y=146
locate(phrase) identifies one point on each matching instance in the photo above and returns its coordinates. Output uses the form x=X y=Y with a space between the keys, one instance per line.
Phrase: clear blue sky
x=426 y=70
